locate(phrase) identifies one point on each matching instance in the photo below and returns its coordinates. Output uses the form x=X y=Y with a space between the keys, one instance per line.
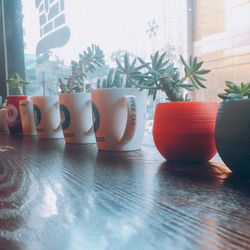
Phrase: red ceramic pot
x=13 y=114
x=184 y=131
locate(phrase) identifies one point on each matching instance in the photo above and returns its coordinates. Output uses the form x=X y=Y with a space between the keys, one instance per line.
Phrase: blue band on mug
x=37 y=114
x=66 y=119
x=96 y=117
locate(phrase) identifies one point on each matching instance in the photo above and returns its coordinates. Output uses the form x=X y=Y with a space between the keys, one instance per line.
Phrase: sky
x=112 y=24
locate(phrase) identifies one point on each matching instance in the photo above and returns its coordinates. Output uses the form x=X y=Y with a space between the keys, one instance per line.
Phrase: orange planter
x=184 y=131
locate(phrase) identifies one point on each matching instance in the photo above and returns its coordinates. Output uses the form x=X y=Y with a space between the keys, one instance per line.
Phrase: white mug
x=27 y=117
x=3 y=120
x=76 y=117
x=47 y=116
x=119 y=118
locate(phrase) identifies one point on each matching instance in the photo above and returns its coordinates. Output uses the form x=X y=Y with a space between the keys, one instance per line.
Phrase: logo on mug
x=65 y=116
x=96 y=117
x=37 y=114
x=12 y=113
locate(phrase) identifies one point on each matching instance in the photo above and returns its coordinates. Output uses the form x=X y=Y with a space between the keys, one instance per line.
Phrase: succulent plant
x=15 y=82
x=88 y=61
x=162 y=75
x=124 y=76
x=113 y=79
x=236 y=91
x=131 y=72
x=158 y=74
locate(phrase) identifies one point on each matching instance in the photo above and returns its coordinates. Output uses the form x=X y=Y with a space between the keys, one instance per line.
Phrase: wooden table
x=57 y=196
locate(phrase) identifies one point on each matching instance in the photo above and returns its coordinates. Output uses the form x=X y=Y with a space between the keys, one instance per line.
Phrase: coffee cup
x=27 y=117
x=119 y=118
x=47 y=116
x=76 y=117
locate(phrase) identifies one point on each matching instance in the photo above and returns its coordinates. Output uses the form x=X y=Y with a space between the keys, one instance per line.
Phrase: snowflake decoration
x=152 y=30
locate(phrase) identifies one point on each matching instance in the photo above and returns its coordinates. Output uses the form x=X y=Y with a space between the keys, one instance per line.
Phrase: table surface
x=58 y=196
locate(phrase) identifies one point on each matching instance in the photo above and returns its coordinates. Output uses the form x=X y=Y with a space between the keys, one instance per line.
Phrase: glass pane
x=216 y=31
x=56 y=31
x=65 y=28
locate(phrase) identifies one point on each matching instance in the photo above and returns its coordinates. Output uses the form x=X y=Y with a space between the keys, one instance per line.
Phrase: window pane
x=216 y=31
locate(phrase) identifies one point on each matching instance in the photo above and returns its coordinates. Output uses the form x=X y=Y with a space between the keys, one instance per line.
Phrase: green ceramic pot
x=232 y=135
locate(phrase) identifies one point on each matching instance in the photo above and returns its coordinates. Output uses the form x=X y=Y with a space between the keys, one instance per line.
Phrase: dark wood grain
x=57 y=196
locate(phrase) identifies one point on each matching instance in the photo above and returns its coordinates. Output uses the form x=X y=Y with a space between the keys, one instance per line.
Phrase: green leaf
x=23 y=82
x=200 y=77
x=119 y=65
x=195 y=62
x=142 y=66
x=203 y=71
x=16 y=77
x=184 y=63
x=158 y=64
x=163 y=64
x=98 y=83
x=155 y=59
x=109 y=78
x=126 y=63
x=169 y=69
x=234 y=96
x=245 y=87
x=197 y=67
x=133 y=64
x=194 y=83
x=185 y=85
x=229 y=91
x=199 y=82
x=223 y=96
x=191 y=61
x=234 y=86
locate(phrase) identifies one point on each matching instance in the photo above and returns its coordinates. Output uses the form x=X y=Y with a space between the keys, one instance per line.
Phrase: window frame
x=11 y=44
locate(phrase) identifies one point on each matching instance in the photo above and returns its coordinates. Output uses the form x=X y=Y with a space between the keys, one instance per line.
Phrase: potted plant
x=119 y=109
x=232 y=128
x=75 y=98
x=13 y=108
x=182 y=130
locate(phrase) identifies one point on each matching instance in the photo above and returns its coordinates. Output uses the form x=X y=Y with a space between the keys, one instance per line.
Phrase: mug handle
x=91 y=130
x=130 y=101
x=59 y=126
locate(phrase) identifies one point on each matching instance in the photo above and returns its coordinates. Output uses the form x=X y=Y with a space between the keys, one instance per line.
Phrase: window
x=56 y=31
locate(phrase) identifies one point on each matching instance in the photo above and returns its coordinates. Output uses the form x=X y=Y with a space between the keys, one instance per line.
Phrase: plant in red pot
x=182 y=130
x=13 y=109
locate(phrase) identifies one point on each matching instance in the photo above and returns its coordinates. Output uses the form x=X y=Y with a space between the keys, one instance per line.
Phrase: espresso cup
x=119 y=118
x=76 y=117
x=27 y=117
x=47 y=116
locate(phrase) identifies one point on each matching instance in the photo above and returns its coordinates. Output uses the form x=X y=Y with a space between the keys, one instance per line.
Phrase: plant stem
x=20 y=90
x=171 y=93
x=83 y=78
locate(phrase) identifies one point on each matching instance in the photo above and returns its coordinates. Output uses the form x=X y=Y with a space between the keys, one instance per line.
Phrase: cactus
x=15 y=82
